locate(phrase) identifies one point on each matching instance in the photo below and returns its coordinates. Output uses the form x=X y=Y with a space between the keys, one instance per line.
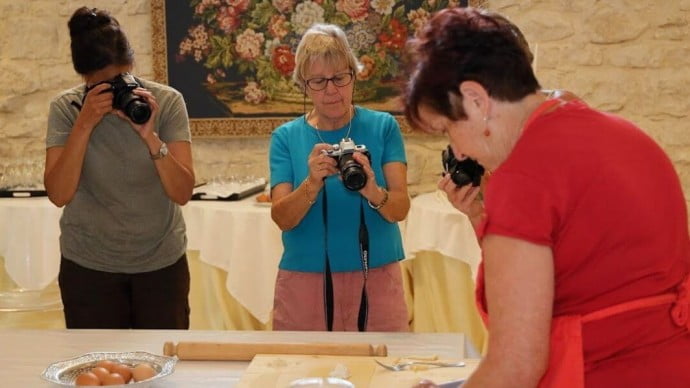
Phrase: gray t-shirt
x=120 y=219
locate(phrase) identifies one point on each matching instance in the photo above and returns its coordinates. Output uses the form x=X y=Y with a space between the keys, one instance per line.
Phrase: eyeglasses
x=339 y=80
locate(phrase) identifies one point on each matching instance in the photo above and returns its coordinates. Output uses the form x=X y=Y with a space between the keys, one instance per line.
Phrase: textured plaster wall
x=624 y=56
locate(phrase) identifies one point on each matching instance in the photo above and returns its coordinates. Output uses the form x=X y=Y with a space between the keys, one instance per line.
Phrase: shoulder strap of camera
x=364 y=257
x=363 y=314
x=327 y=278
x=77 y=104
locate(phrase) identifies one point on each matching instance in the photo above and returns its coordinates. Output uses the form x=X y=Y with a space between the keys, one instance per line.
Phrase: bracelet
x=383 y=201
x=307 y=192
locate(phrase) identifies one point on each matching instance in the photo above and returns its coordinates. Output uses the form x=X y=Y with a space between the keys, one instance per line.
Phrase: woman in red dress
x=583 y=223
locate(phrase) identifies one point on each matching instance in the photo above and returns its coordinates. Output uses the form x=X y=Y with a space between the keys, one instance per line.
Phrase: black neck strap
x=328 y=278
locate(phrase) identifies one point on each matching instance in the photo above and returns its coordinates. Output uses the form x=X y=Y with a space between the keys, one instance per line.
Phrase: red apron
x=566 y=368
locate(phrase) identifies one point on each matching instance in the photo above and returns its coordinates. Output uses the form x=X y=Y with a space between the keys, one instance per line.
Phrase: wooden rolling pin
x=215 y=351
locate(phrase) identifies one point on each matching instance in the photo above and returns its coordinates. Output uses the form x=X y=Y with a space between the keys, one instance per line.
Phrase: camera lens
x=138 y=111
x=135 y=107
x=352 y=172
x=354 y=178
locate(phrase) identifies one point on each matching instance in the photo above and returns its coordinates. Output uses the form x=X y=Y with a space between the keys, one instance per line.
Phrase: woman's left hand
x=371 y=188
x=145 y=129
x=464 y=198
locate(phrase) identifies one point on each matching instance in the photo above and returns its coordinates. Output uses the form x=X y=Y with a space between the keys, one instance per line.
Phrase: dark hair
x=97 y=41
x=466 y=44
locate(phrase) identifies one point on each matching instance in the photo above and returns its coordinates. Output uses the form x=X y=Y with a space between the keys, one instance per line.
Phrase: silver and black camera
x=124 y=99
x=354 y=177
x=462 y=172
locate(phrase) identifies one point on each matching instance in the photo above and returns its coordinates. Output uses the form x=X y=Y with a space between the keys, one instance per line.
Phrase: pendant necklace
x=349 y=127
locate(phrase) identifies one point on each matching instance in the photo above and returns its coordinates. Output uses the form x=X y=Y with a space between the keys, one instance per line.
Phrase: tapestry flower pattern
x=251 y=44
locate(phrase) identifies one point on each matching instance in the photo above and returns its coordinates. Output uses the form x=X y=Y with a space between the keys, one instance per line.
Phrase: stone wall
x=625 y=56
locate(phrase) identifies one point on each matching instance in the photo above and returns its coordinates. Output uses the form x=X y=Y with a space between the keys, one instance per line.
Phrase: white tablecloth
x=433 y=224
x=238 y=237
x=29 y=241
x=241 y=238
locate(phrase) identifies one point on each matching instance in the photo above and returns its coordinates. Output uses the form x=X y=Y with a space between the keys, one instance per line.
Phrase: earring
x=487 y=133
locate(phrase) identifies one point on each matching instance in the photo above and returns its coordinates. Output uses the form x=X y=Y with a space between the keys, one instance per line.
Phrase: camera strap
x=363 y=314
x=79 y=105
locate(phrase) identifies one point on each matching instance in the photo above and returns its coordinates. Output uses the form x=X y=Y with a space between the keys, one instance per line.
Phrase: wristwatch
x=162 y=152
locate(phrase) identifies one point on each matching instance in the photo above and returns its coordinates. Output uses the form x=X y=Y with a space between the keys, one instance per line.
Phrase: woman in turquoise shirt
x=339 y=269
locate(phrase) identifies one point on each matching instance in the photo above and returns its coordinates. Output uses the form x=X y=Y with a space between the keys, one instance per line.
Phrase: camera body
x=462 y=172
x=354 y=177
x=135 y=107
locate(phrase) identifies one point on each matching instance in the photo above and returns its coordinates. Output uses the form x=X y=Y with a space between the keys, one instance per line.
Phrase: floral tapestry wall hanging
x=233 y=59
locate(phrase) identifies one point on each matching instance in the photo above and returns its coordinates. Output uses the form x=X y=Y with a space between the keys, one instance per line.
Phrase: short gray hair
x=326 y=42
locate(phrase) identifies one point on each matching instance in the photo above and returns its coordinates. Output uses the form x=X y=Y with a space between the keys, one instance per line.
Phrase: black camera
x=462 y=172
x=351 y=171
x=135 y=107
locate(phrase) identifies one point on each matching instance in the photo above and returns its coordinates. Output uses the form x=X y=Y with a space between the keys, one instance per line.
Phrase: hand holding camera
x=96 y=103
x=146 y=128
x=462 y=172
x=321 y=166
x=461 y=183
x=351 y=171
x=126 y=97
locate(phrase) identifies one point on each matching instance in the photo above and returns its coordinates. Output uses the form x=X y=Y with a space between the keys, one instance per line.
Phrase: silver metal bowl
x=64 y=372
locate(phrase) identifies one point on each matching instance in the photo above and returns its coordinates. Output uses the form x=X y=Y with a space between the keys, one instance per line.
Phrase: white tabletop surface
x=236 y=236
x=33 y=350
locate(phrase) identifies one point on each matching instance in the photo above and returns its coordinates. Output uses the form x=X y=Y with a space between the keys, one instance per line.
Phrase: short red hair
x=467 y=44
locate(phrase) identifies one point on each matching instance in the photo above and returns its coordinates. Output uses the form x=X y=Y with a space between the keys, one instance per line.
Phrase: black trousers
x=106 y=300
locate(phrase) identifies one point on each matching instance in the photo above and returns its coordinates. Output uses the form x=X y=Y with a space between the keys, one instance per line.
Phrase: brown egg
x=124 y=371
x=143 y=372
x=113 y=379
x=87 y=379
x=263 y=197
x=100 y=371
x=107 y=364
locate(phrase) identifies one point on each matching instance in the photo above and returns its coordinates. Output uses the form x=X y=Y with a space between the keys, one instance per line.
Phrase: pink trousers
x=299 y=303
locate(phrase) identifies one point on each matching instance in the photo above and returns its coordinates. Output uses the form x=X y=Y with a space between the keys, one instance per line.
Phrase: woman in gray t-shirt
x=119 y=159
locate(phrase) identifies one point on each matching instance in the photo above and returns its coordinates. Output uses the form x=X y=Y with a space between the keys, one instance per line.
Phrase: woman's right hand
x=320 y=165
x=464 y=198
x=96 y=105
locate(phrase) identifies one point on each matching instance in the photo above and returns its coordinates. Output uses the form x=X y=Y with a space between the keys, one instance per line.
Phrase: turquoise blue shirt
x=305 y=245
